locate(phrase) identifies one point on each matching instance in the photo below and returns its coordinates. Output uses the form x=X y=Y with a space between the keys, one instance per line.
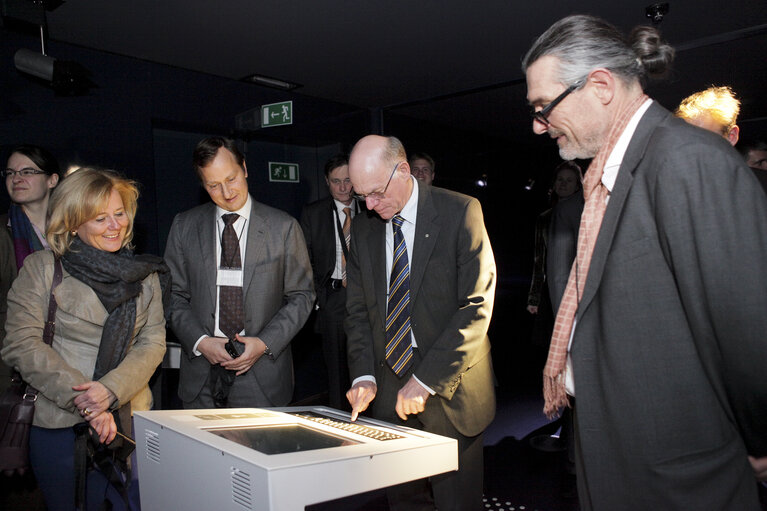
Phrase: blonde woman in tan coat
x=109 y=334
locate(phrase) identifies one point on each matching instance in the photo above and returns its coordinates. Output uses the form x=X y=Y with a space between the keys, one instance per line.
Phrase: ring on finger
x=86 y=412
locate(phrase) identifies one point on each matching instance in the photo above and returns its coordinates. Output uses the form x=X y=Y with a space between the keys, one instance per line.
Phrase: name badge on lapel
x=229 y=277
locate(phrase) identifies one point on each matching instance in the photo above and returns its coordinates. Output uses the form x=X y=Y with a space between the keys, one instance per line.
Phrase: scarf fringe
x=554 y=395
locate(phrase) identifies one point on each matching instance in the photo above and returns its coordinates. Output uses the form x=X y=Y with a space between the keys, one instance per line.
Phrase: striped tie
x=399 y=347
x=347 y=232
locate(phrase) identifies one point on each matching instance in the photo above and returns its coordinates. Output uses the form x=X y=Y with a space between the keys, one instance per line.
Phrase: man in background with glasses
x=327 y=228
x=420 y=290
x=661 y=331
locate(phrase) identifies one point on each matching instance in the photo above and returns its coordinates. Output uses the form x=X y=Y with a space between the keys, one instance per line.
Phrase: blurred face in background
x=566 y=183
x=422 y=171
x=29 y=189
x=757 y=159
x=340 y=185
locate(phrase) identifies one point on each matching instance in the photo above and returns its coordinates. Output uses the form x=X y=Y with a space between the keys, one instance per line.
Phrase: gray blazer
x=671 y=338
x=452 y=289
x=277 y=287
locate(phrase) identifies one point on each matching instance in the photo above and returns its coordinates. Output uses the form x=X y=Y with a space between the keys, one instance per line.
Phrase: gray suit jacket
x=277 y=287
x=452 y=289
x=671 y=338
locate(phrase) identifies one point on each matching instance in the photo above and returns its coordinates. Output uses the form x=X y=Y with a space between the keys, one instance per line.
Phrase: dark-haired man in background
x=241 y=275
x=327 y=228
x=653 y=335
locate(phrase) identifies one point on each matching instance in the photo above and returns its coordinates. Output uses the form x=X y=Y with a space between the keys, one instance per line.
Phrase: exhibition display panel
x=276 y=459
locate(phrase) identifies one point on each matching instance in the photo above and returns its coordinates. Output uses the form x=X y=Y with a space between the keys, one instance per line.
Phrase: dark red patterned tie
x=231 y=318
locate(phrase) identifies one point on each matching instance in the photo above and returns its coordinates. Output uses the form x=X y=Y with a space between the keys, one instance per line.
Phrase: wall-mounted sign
x=276 y=114
x=283 y=172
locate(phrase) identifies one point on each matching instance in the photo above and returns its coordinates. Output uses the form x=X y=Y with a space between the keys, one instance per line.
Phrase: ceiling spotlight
x=67 y=78
x=656 y=12
x=271 y=82
x=530 y=184
x=481 y=182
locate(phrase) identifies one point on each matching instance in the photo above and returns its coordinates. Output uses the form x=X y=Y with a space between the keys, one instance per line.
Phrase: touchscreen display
x=281 y=439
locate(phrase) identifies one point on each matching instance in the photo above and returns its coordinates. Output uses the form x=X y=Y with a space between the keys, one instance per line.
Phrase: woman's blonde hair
x=81 y=197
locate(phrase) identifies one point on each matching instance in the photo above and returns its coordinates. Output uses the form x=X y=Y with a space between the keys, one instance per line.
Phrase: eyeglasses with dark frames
x=377 y=195
x=542 y=114
x=25 y=172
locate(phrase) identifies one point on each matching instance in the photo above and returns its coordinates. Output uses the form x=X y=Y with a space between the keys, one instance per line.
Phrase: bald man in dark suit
x=438 y=375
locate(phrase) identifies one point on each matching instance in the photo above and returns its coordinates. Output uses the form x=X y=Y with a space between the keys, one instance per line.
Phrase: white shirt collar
x=613 y=163
x=244 y=211
x=410 y=209
x=340 y=205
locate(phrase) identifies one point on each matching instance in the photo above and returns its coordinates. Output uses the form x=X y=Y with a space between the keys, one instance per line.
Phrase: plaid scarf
x=595 y=195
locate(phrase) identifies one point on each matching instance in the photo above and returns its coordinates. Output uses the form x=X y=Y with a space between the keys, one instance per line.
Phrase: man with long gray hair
x=653 y=334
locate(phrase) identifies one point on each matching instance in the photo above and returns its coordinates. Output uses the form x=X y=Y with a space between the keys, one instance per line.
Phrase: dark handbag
x=17 y=404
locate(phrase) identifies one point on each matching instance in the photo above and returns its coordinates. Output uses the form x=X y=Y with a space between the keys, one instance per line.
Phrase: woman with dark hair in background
x=30 y=174
x=109 y=335
x=556 y=233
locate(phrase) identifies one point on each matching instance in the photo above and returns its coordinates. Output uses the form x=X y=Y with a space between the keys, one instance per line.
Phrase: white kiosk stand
x=275 y=459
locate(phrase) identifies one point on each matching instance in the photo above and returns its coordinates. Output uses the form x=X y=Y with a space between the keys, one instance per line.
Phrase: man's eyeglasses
x=27 y=172
x=542 y=114
x=377 y=195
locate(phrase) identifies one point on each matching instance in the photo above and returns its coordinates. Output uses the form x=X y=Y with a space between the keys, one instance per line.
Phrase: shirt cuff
x=367 y=377
x=422 y=384
x=194 y=348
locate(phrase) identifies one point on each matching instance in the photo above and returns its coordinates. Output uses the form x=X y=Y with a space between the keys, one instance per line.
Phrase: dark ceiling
x=451 y=62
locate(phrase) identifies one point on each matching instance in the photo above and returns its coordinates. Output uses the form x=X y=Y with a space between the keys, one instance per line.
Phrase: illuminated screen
x=281 y=439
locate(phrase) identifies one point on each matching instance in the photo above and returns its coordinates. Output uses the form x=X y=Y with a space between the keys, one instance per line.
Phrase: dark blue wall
x=115 y=126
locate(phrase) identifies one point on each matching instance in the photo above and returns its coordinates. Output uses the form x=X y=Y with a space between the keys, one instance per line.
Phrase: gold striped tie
x=399 y=346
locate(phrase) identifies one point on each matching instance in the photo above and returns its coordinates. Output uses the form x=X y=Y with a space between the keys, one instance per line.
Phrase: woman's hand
x=104 y=425
x=94 y=400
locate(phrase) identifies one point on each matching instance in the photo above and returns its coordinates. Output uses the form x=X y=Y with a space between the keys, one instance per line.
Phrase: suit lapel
x=634 y=154
x=207 y=236
x=426 y=232
x=376 y=247
x=254 y=248
x=327 y=236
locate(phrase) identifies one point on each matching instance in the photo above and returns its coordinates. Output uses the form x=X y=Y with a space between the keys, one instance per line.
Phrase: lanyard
x=340 y=229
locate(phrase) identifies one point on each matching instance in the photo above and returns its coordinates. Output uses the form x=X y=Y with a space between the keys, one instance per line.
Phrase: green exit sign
x=283 y=172
x=276 y=114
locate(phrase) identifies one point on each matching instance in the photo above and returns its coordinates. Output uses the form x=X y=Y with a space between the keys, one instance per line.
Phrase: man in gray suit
x=420 y=278
x=236 y=304
x=661 y=334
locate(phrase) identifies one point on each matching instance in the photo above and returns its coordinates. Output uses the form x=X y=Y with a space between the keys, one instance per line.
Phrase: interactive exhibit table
x=275 y=459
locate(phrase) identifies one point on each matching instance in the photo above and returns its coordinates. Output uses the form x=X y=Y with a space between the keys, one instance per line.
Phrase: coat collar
x=631 y=160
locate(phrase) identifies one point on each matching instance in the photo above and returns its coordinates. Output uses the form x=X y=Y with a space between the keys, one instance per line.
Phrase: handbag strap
x=50 y=324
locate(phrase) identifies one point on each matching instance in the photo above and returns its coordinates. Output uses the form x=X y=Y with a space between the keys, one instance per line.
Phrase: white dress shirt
x=241 y=229
x=337 y=271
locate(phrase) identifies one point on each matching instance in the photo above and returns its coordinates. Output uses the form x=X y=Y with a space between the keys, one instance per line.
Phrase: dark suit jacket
x=452 y=288
x=277 y=289
x=317 y=224
x=671 y=337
